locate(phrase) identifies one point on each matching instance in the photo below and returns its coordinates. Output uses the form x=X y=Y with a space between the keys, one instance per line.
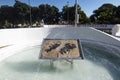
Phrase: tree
x=21 y=12
x=104 y=14
x=35 y=14
x=6 y=15
x=116 y=15
x=69 y=14
x=48 y=13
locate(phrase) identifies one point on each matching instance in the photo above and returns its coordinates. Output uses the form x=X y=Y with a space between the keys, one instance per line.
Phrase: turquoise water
x=101 y=62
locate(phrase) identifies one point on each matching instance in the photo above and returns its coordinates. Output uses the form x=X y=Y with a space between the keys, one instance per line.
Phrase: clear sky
x=88 y=6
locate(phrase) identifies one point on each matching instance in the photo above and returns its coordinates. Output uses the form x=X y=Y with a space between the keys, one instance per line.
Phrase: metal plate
x=61 y=49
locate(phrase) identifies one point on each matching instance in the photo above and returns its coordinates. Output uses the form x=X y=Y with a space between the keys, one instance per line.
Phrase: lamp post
x=76 y=13
x=30 y=15
x=68 y=11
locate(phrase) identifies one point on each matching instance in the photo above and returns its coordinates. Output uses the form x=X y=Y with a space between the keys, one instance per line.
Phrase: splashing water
x=101 y=62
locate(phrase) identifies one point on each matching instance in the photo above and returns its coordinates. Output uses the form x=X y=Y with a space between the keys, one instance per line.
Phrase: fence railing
x=84 y=25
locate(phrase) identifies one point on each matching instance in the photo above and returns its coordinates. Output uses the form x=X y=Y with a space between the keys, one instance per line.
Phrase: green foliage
x=35 y=14
x=49 y=14
x=68 y=14
x=106 y=14
x=6 y=13
x=19 y=13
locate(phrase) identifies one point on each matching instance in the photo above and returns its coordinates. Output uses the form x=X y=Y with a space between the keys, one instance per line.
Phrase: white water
x=101 y=62
x=25 y=65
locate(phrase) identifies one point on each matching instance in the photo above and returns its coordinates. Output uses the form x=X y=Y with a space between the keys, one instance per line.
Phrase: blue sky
x=88 y=6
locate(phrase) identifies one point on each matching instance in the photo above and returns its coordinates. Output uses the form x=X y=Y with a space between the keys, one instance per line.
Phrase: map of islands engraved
x=60 y=49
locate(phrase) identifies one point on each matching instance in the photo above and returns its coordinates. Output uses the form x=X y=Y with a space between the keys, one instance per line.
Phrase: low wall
x=85 y=25
x=36 y=35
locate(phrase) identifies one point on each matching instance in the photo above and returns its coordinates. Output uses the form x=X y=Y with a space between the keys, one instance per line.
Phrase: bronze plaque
x=60 y=49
